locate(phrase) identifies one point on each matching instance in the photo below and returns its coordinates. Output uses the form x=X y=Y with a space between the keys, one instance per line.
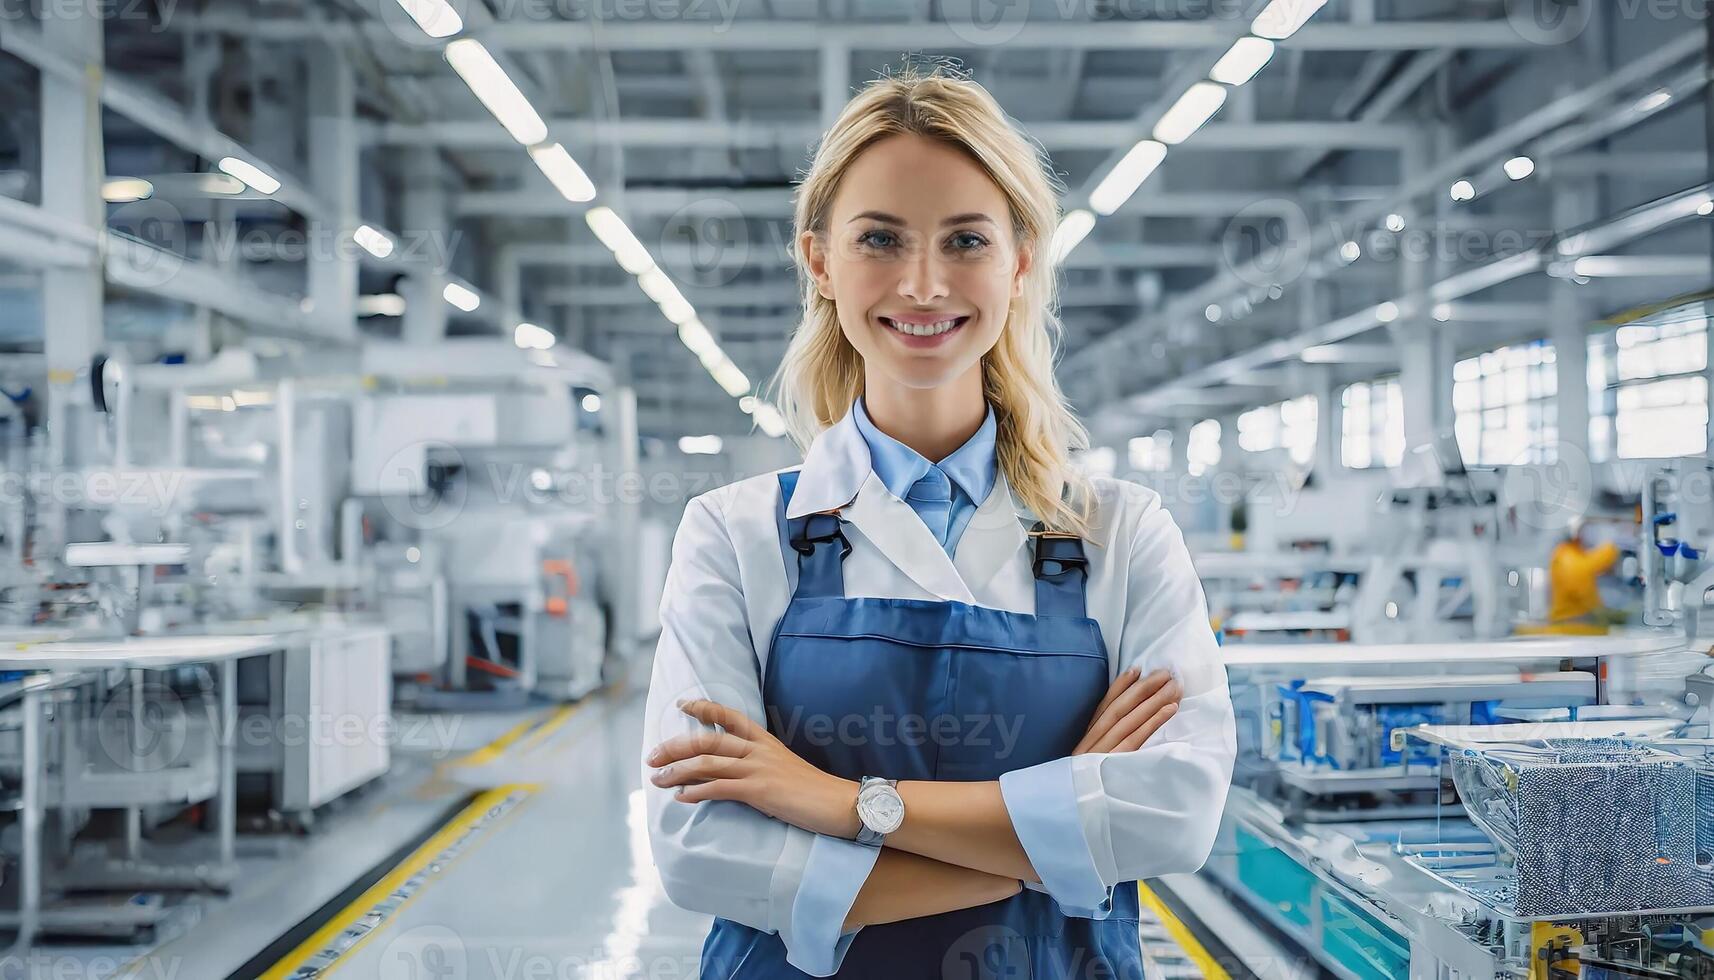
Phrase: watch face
x=881 y=809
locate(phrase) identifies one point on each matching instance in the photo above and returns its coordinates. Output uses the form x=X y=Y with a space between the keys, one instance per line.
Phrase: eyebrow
x=958 y=219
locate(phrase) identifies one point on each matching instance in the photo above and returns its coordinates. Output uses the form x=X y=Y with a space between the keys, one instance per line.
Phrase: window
x=1372 y=424
x=1151 y=454
x=1098 y=461
x=1503 y=405
x=1288 y=424
x=1202 y=449
x=1648 y=395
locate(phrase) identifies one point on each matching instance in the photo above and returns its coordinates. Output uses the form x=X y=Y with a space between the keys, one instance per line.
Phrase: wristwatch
x=880 y=808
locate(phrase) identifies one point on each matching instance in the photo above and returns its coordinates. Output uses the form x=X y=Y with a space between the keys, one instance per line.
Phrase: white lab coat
x=1142 y=814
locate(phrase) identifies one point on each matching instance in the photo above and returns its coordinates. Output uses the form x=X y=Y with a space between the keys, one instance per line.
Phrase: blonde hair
x=821 y=374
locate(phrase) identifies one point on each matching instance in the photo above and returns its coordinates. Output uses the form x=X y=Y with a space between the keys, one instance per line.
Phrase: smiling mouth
x=925 y=329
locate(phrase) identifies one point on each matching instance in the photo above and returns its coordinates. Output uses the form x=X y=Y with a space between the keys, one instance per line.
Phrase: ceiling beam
x=741 y=134
x=769 y=202
x=689 y=32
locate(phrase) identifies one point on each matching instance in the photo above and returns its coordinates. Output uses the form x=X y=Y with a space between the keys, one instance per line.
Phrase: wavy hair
x=821 y=374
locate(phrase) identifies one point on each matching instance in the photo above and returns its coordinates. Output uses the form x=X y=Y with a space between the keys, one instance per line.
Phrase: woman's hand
x=748 y=764
x=1133 y=710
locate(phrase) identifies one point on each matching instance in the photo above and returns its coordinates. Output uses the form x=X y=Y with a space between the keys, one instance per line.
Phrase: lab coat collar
x=837 y=472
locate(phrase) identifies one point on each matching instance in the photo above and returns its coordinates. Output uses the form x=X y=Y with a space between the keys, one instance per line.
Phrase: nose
x=923 y=280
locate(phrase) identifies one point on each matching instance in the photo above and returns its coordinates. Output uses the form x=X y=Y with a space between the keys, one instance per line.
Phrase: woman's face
x=920 y=260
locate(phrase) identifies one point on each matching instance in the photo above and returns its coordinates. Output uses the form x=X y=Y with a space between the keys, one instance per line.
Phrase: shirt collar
x=971 y=466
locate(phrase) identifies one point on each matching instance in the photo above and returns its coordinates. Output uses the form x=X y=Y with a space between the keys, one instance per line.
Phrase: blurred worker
x=934 y=698
x=1572 y=576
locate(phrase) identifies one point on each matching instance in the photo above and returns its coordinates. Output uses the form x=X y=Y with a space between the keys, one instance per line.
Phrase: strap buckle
x=1062 y=549
x=823 y=525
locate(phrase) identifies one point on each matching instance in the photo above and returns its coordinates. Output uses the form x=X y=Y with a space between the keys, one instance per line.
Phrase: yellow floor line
x=1182 y=935
x=419 y=859
x=488 y=753
x=554 y=724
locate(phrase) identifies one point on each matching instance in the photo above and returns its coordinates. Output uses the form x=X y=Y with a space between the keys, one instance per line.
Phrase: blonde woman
x=927 y=705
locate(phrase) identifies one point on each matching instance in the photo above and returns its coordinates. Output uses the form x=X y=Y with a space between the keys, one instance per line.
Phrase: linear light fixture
x=496 y=90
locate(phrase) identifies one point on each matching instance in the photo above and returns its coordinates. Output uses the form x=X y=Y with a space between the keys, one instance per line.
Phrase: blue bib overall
x=914 y=689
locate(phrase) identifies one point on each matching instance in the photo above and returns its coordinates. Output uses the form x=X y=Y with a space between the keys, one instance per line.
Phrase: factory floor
x=501 y=845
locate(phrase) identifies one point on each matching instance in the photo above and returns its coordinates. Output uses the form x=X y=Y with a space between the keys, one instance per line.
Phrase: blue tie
x=931 y=498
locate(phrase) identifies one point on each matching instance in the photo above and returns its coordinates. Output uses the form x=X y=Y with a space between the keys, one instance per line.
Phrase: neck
x=932 y=421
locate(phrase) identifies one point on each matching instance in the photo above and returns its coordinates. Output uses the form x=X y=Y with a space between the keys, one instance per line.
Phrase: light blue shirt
x=966 y=474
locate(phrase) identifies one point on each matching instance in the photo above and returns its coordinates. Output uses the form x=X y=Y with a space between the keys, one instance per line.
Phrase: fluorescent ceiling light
x=460 y=296
x=768 y=417
x=1395 y=223
x=1282 y=18
x=678 y=310
x=568 y=178
x=1350 y=251
x=1241 y=62
x=699 y=445
x=1463 y=191
x=731 y=378
x=1706 y=208
x=747 y=404
x=250 y=174
x=496 y=90
x=220 y=184
x=591 y=403
x=1443 y=312
x=373 y=240
x=435 y=17
x=616 y=235
x=1518 y=168
x=1212 y=313
x=1126 y=176
x=712 y=359
x=657 y=285
x=124 y=190
x=531 y=337
x=1387 y=312
x=1654 y=100
x=696 y=337
x=1072 y=228
x=1196 y=106
x=381 y=304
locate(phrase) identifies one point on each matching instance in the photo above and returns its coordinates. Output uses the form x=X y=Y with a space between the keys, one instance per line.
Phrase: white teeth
x=922 y=329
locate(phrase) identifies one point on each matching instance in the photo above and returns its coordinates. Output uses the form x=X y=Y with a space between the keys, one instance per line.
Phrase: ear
x=815 y=257
x=1026 y=260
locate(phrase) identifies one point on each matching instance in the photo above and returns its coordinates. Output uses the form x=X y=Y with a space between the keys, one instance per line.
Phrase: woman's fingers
x=714 y=713
x=1126 y=678
x=1125 y=702
x=697 y=743
x=1149 y=728
x=696 y=769
x=1139 y=717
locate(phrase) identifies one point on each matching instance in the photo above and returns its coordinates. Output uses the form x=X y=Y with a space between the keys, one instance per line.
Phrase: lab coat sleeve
x=1090 y=822
x=722 y=857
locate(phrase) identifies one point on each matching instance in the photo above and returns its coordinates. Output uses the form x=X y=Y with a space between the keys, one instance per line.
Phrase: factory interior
x=362 y=358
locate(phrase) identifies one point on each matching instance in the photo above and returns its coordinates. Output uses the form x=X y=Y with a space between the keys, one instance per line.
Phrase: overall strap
x=821 y=570
x=1061 y=571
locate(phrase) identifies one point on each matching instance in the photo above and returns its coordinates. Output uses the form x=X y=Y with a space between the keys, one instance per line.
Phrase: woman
x=890 y=732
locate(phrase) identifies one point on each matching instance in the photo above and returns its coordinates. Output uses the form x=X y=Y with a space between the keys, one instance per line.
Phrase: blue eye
x=870 y=238
x=968 y=241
